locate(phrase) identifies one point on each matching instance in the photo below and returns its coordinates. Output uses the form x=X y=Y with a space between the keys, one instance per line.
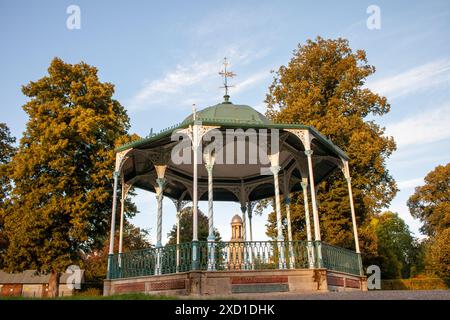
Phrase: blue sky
x=163 y=56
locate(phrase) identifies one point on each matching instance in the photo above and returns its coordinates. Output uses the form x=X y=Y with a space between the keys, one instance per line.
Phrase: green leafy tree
x=431 y=204
x=417 y=257
x=186 y=227
x=7 y=150
x=323 y=86
x=396 y=249
x=60 y=205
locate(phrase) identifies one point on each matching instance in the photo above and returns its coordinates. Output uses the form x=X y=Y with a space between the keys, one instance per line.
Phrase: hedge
x=416 y=284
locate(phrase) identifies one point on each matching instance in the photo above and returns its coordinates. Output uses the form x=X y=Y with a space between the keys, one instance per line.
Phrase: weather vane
x=226 y=74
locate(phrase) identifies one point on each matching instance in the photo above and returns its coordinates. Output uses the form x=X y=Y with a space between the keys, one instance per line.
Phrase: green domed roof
x=228 y=112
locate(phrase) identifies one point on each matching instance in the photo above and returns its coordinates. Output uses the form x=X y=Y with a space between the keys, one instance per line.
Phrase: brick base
x=237 y=282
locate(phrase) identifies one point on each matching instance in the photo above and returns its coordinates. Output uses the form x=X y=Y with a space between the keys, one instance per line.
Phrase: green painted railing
x=340 y=259
x=249 y=255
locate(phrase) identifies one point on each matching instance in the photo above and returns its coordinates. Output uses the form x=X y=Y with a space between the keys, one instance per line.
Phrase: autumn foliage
x=323 y=86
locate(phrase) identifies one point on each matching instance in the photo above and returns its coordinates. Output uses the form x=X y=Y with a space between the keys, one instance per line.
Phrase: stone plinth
x=238 y=282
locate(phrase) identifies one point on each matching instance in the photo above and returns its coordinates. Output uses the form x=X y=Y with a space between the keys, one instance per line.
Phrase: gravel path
x=351 y=295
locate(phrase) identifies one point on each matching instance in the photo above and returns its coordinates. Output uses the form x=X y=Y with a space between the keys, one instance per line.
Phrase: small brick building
x=31 y=284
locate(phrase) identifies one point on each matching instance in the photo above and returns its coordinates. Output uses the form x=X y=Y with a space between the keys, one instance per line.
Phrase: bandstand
x=229 y=152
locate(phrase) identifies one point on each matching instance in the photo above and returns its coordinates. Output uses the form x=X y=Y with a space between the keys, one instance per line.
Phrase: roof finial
x=226 y=74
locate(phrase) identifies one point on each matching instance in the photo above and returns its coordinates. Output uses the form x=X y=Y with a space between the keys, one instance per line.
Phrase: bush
x=90 y=292
x=416 y=284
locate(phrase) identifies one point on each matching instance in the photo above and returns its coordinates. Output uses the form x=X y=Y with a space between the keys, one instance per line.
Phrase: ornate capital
x=209 y=168
x=161 y=183
x=275 y=169
x=179 y=205
x=250 y=206
x=125 y=188
x=304 y=184
x=116 y=174
x=309 y=152
x=345 y=169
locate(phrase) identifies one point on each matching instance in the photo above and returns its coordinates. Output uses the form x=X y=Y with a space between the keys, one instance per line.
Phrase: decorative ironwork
x=245 y=255
x=225 y=75
x=340 y=259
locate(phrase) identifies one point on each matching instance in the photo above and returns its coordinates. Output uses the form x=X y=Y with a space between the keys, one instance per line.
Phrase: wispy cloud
x=410 y=183
x=433 y=74
x=172 y=82
x=195 y=82
x=426 y=127
x=252 y=80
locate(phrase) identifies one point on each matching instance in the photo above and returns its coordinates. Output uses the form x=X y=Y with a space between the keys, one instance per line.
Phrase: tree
x=431 y=204
x=323 y=86
x=95 y=262
x=7 y=150
x=396 y=249
x=186 y=227
x=60 y=205
x=437 y=254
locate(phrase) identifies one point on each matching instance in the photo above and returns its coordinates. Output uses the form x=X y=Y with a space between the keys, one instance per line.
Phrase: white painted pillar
x=280 y=238
x=159 y=196
x=309 y=245
x=317 y=236
x=113 y=215
x=244 y=235
x=178 y=237
x=287 y=203
x=244 y=221
x=249 y=212
x=113 y=223
x=352 y=206
x=179 y=204
x=195 y=147
x=316 y=220
x=352 y=209
x=122 y=213
x=346 y=171
x=211 y=238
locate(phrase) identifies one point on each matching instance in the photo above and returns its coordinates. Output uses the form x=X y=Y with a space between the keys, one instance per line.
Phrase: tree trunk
x=53 y=286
